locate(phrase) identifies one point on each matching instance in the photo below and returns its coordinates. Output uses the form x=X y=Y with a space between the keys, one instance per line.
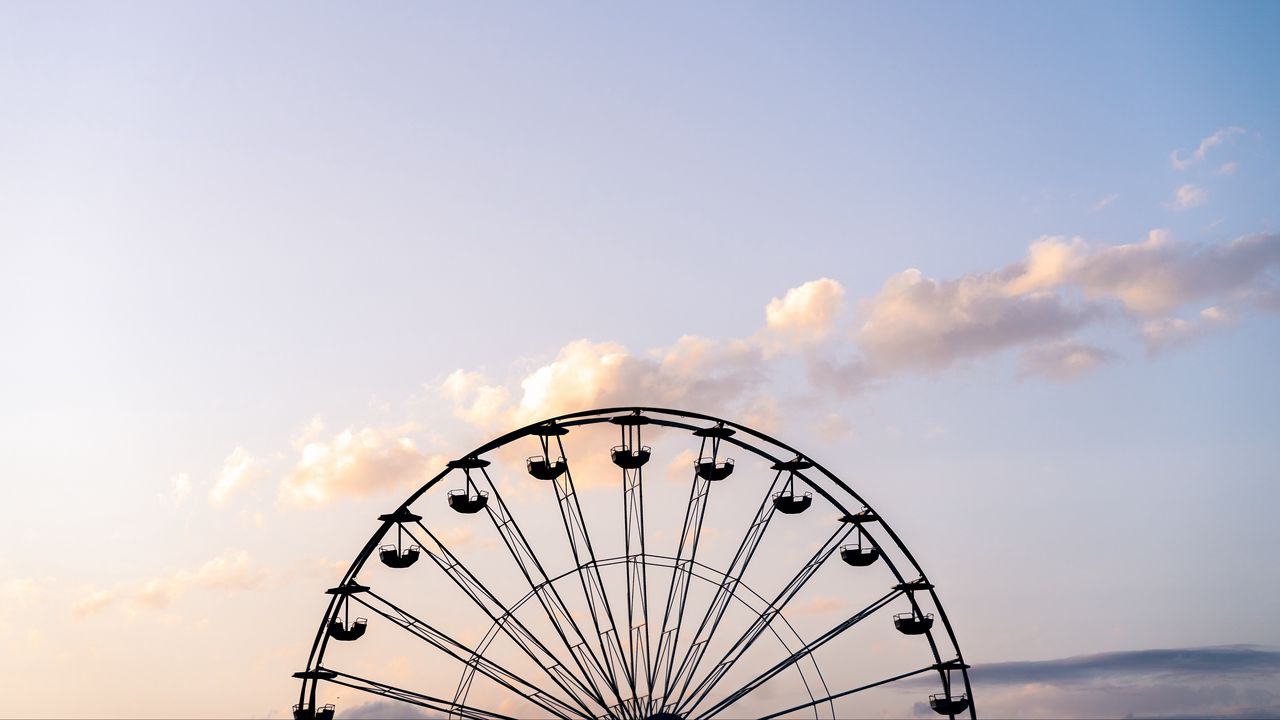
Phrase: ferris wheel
x=636 y=563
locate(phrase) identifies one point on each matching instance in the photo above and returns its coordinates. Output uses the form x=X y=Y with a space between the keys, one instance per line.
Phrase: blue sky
x=1037 y=244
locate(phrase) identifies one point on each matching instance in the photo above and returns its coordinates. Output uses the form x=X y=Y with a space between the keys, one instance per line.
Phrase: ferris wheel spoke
x=774 y=608
x=720 y=602
x=639 y=663
x=593 y=588
x=678 y=591
x=800 y=654
x=505 y=621
x=592 y=668
x=468 y=657
x=415 y=698
x=846 y=693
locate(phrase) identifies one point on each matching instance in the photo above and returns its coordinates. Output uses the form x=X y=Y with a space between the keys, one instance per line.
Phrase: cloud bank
x=1159 y=288
x=1165 y=292
x=1232 y=681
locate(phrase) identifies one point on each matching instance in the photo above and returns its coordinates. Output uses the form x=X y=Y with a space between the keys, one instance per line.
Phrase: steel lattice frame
x=589 y=671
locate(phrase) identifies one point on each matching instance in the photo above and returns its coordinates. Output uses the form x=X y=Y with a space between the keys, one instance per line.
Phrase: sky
x=1010 y=270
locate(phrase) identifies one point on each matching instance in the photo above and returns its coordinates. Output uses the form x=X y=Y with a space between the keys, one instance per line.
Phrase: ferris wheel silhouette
x=647 y=615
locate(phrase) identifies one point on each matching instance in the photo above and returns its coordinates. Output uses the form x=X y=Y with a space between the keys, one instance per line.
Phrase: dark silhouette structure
x=634 y=661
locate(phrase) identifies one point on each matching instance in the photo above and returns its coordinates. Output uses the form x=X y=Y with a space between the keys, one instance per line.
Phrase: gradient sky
x=1011 y=269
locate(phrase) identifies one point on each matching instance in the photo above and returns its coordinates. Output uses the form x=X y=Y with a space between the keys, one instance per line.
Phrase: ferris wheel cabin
x=913 y=623
x=709 y=469
x=944 y=704
x=393 y=557
x=859 y=556
x=628 y=459
x=544 y=469
x=306 y=712
x=467 y=504
x=347 y=632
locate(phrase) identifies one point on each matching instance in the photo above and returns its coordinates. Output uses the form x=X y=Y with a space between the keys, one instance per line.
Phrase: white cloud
x=1105 y=202
x=357 y=463
x=239 y=470
x=1064 y=360
x=1188 y=196
x=473 y=400
x=180 y=488
x=1227 y=169
x=805 y=314
x=693 y=372
x=1217 y=138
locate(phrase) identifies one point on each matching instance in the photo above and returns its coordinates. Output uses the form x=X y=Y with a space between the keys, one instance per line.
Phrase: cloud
x=473 y=400
x=1188 y=196
x=1217 y=138
x=819 y=606
x=1170 y=333
x=356 y=463
x=916 y=322
x=681 y=466
x=1104 y=202
x=1063 y=361
x=693 y=372
x=180 y=488
x=833 y=428
x=20 y=591
x=1151 y=277
x=386 y=710
x=230 y=571
x=1227 y=681
x=93 y=603
x=805 y=314
x=233 y=570
x=1227 y=168
x=1174 y=664
x=239 y=470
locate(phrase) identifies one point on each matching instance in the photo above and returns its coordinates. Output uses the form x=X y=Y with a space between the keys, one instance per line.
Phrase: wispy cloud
x=1169 y=333
x=1188 y=196
x=92 y=603
x=180 y=488
x=1105 y=202
x=1217 y=138
x=239 y=470
x=1064 y=360
x=233 y=570
x=1227 y=169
